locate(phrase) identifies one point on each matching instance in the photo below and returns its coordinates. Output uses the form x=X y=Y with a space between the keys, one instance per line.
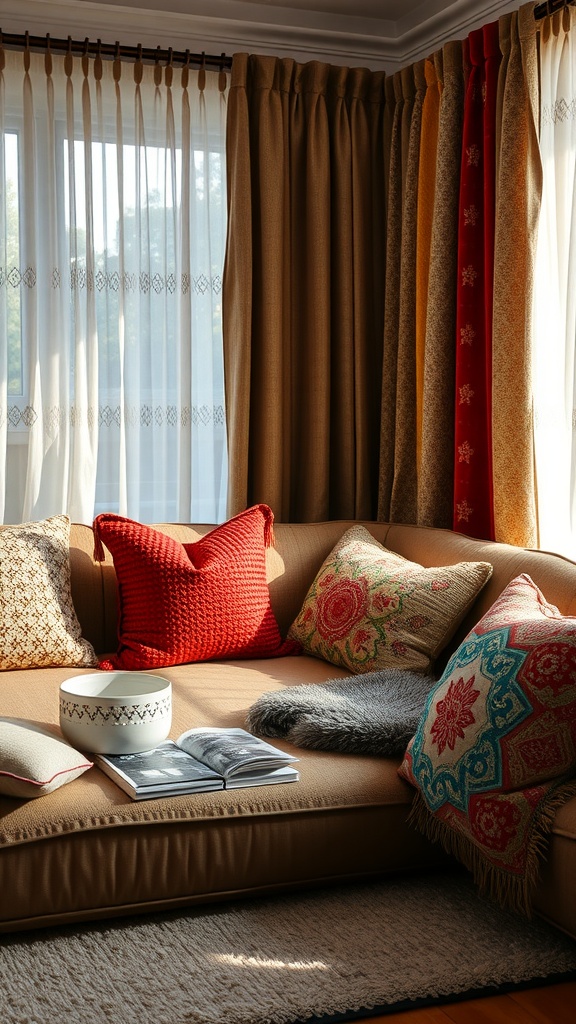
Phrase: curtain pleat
x=404 y=498
x=425 y=212
x=435 y=493
x=304 y=264
x=555 y=292
x=518 y=190
x=473 y=435
x=392 y=304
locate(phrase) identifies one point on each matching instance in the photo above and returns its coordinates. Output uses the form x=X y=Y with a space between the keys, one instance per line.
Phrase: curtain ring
x=138 y=66
x=98 y=61
x=68 y=59
x=48 y=57
x=169 y=70
x=117 y=65
x=157 y=68
x=186 y=70
x=202 y=73
x=85 y=58
x=222 y=75
x=27 y=52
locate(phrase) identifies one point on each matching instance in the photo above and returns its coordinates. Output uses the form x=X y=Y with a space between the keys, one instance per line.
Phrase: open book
x=199 y=760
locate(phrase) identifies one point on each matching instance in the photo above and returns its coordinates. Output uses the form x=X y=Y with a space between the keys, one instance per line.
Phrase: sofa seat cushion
x=88 y=850
x=210 y=693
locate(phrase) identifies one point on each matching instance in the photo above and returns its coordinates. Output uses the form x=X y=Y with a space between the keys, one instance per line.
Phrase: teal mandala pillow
x=495 y=752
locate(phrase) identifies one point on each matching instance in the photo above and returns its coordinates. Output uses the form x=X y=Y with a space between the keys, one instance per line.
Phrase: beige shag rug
x=335 y=951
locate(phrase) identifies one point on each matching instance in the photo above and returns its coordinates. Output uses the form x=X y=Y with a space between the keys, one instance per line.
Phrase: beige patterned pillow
x=38 y=622
x=370 y=609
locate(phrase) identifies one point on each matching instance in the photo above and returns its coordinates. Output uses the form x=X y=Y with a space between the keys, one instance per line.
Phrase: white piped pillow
x=34 y=761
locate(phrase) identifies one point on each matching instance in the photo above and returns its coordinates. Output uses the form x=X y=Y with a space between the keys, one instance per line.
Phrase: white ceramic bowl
x=115 y=712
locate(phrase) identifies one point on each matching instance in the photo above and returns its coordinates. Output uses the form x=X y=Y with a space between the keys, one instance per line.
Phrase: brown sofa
x=87 y=851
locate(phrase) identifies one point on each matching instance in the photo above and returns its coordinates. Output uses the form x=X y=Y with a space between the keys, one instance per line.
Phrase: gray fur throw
x=375 y=713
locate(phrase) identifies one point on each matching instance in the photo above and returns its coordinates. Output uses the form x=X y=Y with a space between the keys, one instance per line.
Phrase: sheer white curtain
x=112 y=237
x=555 y=290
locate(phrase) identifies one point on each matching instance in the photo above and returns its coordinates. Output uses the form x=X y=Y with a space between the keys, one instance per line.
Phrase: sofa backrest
x=299 y=551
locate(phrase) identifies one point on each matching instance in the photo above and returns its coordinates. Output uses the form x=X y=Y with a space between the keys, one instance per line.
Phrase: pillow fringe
x=511 y=891
x=268 y=525
x=99 y=555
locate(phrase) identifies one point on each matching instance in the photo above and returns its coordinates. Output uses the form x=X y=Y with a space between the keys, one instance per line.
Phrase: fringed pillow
x=495 y=752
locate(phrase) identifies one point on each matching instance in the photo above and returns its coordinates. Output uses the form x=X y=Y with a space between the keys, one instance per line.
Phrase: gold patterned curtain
x=518 y=191
x=436 y=476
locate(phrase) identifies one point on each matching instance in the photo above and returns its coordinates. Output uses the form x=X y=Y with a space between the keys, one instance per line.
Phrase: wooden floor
x=553 y=1004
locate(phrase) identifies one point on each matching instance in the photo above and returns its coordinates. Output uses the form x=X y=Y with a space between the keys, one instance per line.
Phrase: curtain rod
x=542 y=10
x=114 y=51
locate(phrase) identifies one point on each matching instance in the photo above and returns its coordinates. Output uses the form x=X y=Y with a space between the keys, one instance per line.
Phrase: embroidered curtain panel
x=112 y=237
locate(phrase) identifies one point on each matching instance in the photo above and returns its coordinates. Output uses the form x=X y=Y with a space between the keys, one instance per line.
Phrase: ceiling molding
x=223 y=25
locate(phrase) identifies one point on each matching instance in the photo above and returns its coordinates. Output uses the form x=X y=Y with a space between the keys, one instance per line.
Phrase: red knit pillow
x=191 y=602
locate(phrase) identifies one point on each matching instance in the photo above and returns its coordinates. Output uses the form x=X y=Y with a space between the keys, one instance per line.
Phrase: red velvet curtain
x=473 y=490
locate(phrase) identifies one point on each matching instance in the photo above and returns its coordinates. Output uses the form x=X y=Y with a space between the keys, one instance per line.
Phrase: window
x=111 y=271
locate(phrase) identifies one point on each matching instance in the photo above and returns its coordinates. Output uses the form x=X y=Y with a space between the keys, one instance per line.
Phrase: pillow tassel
x=268 y=525
x=99 y=555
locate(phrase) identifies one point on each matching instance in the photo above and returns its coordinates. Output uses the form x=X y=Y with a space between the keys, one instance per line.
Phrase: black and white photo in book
x=200 y=760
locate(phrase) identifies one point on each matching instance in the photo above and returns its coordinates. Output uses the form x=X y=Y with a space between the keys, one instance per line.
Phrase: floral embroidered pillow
x=495 y=750
x=370 y=609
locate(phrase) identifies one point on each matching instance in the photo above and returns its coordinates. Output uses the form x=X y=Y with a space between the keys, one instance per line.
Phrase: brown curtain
x=518 y=190
x=303 y=299
x=398 y=450
x=340 y=286
x=426 y=192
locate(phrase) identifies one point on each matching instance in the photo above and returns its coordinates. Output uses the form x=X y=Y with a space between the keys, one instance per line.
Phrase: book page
x=166 y=765
x=229 y=750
